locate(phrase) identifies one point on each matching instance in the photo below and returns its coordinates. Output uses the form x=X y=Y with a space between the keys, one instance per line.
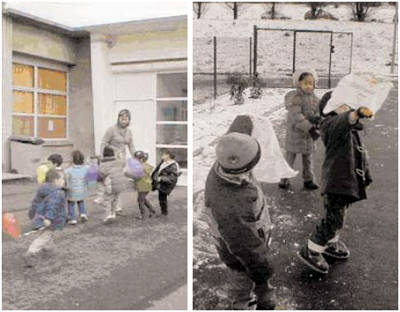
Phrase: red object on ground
x=11 y=225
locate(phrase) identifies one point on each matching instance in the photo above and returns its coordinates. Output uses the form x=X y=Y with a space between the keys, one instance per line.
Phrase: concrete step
x=12 y=177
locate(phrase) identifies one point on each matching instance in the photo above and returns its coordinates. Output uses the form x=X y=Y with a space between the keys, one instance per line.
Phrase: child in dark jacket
x=345 y=177
x=111 y=173
x=164 y=178
x=48 y=209
x=239 y=218
x=302 y=124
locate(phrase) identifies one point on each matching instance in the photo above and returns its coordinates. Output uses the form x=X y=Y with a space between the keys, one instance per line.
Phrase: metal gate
x=278 y=52
x=217 y=58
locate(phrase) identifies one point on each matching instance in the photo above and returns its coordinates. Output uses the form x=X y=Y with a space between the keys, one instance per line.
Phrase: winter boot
x=109 y=219
x=337 y=250
x=310 y=185
x=266 y=299
x=314 y=260
x=30 y=259
x=284 y=184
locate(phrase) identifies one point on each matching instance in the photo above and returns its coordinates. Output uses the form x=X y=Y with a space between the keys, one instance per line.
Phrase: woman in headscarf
x=119 y=136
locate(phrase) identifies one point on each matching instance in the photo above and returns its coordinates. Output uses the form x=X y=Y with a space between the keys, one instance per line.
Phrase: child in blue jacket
x=77 y=187
x=48 y=207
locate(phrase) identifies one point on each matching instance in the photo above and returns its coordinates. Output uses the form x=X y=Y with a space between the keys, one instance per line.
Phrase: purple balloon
x=135 y=167
x=92 y=173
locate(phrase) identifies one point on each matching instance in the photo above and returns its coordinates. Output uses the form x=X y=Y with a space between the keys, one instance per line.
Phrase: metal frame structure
x=295 y=31
x=215 y=72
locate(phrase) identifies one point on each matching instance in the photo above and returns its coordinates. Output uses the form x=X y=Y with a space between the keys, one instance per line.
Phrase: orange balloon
x=11 y=225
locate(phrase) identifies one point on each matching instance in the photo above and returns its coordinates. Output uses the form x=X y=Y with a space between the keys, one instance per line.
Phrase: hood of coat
x=167 y=164
x=239 y=179
x=299 y=72
x=108 y=159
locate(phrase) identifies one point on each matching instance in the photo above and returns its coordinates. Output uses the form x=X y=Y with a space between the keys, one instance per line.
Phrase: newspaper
x=359 y=90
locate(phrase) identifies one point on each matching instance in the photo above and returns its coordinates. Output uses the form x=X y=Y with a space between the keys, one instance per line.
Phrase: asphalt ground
x=130 y=264
x=368 y=279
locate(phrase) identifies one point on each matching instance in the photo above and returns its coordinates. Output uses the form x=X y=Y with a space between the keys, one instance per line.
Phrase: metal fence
x=215 y=60
x=278 y=52
x=272 y=53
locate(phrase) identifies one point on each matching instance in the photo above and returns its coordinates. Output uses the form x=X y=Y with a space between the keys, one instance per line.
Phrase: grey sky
x=84 y=13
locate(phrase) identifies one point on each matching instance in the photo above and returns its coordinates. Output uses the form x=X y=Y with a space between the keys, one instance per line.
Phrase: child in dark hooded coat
x=345 y=177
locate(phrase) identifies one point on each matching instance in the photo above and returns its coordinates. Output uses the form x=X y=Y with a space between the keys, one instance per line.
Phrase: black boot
x=314 y=260
x=310 y=185
x=337 y=250
x=284 y=184
x=265 y=296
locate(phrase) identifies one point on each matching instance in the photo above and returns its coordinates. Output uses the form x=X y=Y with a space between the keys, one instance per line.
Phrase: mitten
x=315 y=120
x=46 y=222
x=314 y=133
x=364 y=112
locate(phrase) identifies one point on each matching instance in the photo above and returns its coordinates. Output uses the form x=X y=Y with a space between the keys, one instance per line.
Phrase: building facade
x=66 y=87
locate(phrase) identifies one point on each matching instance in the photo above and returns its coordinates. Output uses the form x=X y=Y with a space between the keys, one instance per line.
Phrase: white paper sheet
x=359 y=90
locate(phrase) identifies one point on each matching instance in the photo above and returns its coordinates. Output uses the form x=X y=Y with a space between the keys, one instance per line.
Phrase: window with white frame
x=40 y=101
x=172 y=116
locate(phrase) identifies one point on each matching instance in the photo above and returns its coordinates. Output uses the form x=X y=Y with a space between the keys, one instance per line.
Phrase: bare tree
x=234 y=6
x=361 y=10
x=199 y=8
x=316 y=7
x=272 y=10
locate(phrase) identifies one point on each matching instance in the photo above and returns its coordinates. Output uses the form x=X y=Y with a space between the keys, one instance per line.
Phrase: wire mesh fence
x=274 y=54
x=217 y=59
x=279 y=52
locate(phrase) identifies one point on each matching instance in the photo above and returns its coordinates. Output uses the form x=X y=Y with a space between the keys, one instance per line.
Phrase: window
x=171 y=131
x=39 y=106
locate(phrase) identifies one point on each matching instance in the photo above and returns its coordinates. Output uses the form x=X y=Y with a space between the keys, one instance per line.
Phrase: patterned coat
x=49 y=203
x=301 y=109
x=165 y=176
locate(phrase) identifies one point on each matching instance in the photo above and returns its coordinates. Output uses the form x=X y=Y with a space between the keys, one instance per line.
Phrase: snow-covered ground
x=212 y=119
x=254 y=11
x=372 y=41
x=372 y=47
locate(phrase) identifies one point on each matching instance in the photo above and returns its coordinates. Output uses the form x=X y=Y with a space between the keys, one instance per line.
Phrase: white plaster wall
x=7 y=30
x=136 y=92
x=102 y=88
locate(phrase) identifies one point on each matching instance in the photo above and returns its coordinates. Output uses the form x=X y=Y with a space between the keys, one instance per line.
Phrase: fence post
x=394 y=40
x=330 y=61
x=215 y=67
x=255 y=35
x=251 y=44
x=351 y=53
x=294 y=53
